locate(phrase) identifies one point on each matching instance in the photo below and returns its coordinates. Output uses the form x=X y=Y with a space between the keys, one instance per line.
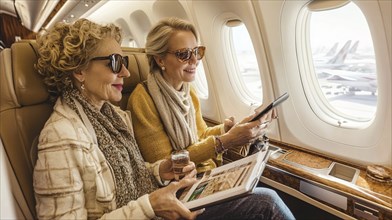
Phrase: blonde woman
x=166 y=116
x=166 y=110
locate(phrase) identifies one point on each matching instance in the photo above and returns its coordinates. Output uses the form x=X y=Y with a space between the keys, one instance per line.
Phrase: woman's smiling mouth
x=119 y=87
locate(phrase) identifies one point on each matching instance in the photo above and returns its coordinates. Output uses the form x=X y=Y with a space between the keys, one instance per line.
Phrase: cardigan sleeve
x=203 y=131
x=150 y=133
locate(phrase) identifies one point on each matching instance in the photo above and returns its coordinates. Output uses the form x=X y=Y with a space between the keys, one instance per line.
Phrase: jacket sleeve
x=61 y=192
x=139 y=209
x=73 y=181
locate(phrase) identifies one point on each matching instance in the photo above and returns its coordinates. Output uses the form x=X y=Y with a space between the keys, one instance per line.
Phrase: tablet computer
x=273 y=104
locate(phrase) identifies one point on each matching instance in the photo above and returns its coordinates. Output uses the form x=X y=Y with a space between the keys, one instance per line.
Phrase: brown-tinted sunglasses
x=185 y=54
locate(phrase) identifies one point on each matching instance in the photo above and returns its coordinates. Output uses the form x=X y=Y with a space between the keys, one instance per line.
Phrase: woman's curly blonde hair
x=66 y=49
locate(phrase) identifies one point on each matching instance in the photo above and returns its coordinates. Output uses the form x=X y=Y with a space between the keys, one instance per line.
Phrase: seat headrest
x=21 y=83
x=138 y=68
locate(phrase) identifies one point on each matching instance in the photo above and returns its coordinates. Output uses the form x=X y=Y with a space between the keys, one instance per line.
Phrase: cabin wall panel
x=299 y=123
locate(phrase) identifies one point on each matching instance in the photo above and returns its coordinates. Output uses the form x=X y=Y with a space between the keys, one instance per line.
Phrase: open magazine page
x=228 y=181
x=217 y=182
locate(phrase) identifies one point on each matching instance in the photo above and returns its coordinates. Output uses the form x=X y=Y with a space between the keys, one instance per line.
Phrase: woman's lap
x=264 y=203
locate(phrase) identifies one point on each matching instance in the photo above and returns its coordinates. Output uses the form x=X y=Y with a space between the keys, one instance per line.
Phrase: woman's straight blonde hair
x=157 y=42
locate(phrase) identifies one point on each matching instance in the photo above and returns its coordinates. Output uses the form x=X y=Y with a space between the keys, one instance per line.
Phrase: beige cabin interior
x=24 y=108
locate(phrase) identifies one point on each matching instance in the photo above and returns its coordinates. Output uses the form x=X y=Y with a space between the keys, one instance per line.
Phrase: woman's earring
x=82 y=86
x=163 y=68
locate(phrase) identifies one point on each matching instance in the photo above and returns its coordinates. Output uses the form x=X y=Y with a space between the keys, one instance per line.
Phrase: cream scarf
x=175 y=109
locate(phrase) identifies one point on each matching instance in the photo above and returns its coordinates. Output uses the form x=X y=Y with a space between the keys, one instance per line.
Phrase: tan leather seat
x=138 y=68
x=24 y=107
x=23 y=112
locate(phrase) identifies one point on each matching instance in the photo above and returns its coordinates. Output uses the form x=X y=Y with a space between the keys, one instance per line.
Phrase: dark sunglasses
x=116 y=61
x=185 y=54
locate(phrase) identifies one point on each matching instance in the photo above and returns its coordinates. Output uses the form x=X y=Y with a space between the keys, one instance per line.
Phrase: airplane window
x=244 y=57
x=344 y=61
x=129 y=43
x=200 y=82
x=132 y=43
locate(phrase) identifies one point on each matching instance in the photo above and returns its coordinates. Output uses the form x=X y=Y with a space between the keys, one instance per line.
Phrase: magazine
x=229 y=181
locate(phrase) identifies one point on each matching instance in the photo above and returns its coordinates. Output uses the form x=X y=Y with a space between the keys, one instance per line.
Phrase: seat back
x=24 y=108
x=138 y=68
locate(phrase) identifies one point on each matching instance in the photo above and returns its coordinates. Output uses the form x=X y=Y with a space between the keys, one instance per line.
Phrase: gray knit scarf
x=175 y=109
x=133 y=179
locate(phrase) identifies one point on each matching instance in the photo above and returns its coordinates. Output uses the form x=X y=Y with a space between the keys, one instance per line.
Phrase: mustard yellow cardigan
x=152 y=139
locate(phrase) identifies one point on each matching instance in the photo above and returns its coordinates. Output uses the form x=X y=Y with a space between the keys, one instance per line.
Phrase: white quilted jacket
x=72 y=179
